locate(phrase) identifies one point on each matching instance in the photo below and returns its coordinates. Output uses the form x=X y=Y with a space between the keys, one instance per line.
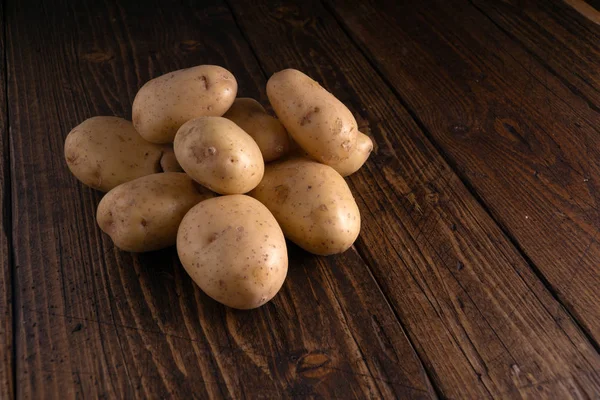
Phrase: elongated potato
x=234 y=250
x=321 y=124
x=218 y=154
x=364 y=146
x=312 y=203
x=165 y=103
x=144 y=214
x=104 y=152
x=268 y=133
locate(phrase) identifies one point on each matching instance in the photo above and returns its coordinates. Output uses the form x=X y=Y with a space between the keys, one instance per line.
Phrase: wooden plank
x=571 y=71
x=482 y=322
x=6 y=323
x=585 y=8
x=96 y=322
x=538 y=27
x=594 y=3
x=525 y=143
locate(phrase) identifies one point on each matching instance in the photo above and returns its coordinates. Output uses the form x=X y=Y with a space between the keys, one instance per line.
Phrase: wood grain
x=517 y=132
x=95 y=322
x=585 y=9
x=6 y=320
x=480 y=319
x=594 y=3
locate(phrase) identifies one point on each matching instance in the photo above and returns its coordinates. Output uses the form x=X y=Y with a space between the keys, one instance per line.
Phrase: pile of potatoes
x=190 y=171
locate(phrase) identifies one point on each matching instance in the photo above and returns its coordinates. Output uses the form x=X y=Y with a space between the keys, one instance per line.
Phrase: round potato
x=364 y=146
x=144 y=214
x=218 y=154
x=234 y=250
x=268 y=133
x=104 y=152
x=321 y=124
x=312 y=203
x=165 y=103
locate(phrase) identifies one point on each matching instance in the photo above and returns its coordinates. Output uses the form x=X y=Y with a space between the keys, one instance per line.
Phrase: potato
x=104 y=152
x=165 y=103
x=218 y=154
x=169 y=162
x=144 y=214
x=234 y=250
x=312 y=203
x=315 y=119
x=364 y=146
x=267 y=132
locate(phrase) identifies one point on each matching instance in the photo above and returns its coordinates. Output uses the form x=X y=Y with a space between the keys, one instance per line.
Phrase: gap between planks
x=7 y=223
x=512 y=239
x=457 y=171
x=436 y=391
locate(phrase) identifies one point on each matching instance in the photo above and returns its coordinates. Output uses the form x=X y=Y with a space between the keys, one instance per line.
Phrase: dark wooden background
x=476 y=273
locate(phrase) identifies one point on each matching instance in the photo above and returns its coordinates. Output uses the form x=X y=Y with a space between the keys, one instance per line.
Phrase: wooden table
x=477 y=271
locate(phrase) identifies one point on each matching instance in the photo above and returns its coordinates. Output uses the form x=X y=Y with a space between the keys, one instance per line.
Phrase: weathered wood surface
x=6 y=320
x=448 y=90
x=482 y=322
x=519 y=122
x=96 y=322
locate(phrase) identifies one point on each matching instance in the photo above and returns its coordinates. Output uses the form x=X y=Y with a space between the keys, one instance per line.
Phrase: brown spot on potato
x=73 y=159
x=281 y=193
x=204 y=80
x=212 y=238
x=200 y=153
x=337 y=127
x=108 y=222
x=143 y=222
x=97 y=174
x=306 y=119
x=240 y=232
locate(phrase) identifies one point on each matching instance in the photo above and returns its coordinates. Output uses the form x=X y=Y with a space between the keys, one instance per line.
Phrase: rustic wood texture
x=480 y=319
x=6 y=317
x=595 y=4
x=521 y=133
x=571 y=71
x=94 y=322
x=586 y=8
x=493 y=282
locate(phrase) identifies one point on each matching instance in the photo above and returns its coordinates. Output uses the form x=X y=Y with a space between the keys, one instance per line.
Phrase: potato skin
x=165 y=103
x=168 y=161
x=364 y=147
x=321 y=124
x=270 y=135
x=360 y=154
x=312 y=203
x=218 y=154
x=104 y=152
x=234 y=250
x=144 y=214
